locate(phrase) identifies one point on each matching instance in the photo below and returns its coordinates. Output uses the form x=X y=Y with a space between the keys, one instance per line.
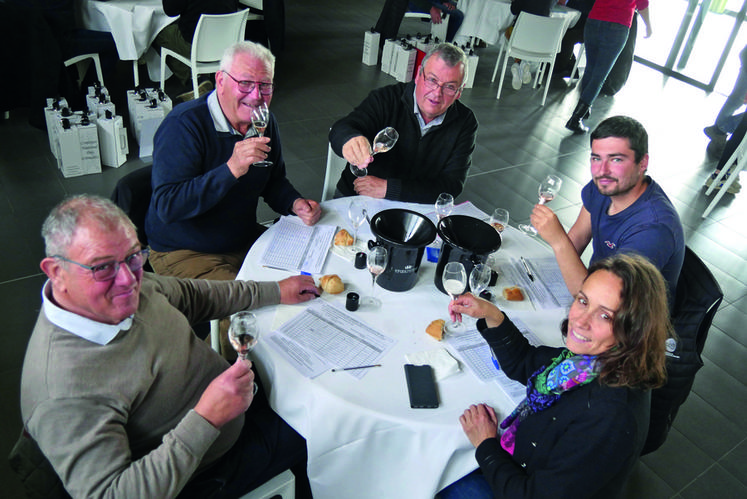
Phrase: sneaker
x=734 y=188
x=526 y=74
x=516 y=76
x=713 y=132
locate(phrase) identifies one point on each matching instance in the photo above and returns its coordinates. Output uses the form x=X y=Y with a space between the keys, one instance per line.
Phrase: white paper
x=323 y=337
x=547 y=290
x=298 y=247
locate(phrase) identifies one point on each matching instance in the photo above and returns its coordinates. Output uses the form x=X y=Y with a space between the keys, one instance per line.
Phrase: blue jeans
x=603 y=42
x=726 y=121
x=472 y=486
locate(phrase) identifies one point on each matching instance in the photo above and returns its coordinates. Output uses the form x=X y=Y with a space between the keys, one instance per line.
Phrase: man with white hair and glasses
x=207 y=181
x=436 y=134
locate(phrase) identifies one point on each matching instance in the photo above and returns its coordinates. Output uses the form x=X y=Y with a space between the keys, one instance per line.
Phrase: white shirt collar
x=95 y=332
x=425 y=127
x=219 y=119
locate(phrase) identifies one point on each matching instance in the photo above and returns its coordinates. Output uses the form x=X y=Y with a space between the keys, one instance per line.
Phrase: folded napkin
x=443 y=364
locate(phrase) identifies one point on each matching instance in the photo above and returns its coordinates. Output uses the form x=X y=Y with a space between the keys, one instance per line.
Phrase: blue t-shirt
x=650 y=227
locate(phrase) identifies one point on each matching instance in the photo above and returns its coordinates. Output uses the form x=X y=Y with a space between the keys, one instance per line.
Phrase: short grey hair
x=450 y=54
x=249 y=48
x=58 y=230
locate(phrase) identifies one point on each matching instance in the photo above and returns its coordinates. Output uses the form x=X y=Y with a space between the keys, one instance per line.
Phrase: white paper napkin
x=443 y=364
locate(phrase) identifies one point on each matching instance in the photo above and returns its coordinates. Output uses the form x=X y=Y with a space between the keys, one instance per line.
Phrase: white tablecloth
x=488 y=19
x=364 y=440
x=134 y=24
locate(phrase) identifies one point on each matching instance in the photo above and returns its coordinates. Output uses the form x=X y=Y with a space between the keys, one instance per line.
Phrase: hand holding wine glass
x=243 y=334
x=376 y=260
x=357 y=214
x=547 y=191
x=383 y=142
x=454 y=279
x=260 y=119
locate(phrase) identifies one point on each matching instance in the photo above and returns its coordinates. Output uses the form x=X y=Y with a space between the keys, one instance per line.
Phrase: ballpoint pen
x=526 y=268
x=352 y=368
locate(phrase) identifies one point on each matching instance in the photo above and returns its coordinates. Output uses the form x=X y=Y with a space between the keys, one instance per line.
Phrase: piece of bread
x=343 y=238
x=513 y=294
x=436 y=329
x=332 y=284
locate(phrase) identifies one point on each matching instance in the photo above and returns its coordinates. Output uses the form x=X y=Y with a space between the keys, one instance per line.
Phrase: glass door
x=697 y=41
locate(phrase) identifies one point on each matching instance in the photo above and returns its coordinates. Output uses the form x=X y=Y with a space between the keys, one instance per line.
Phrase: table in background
x=488 y=19
x=363 y=438
x=134 y=25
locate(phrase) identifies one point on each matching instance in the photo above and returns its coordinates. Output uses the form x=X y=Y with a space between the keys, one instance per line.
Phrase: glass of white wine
x=444 y=205
x=383 y=142
x=499 y=219
x=454 y=279
x=547 y=191
x=357 y=214
x=260 y=119
x=243 y=334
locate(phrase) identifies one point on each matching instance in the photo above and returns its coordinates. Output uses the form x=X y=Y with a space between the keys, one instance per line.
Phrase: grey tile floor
x=320 y=78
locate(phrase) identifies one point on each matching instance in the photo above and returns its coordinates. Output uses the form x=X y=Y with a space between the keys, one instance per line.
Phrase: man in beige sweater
x=121 y=396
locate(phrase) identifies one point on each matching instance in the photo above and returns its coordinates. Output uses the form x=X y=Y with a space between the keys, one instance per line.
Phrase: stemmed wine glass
x=260 y=117
x=357 y=214
x=376 y=260
x=243 y=334
x=479 y=278
x=499 y=219
x=383 y=141
x=547 y=191
x=444 y=205
x=454 y=280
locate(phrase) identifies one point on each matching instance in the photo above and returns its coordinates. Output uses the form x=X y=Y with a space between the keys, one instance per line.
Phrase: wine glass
x=547 y=191
x=499 y=219
x=357 y=214
x=383 y=141
x=454 y=280
x=479 y=278
x=243 y=334
x=376 y=261
x=260 y=118
x=444 y=205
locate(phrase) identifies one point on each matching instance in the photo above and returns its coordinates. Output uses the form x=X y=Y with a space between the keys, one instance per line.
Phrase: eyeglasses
x=449 y=89
x=108 y=270
x=247 y=86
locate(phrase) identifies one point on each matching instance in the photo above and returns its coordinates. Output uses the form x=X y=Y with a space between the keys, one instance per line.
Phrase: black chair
x=39 y=479
x=132 y=193
x=697 y=299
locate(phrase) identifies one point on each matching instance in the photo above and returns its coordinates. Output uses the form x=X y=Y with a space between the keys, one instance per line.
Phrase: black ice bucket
x=466 y=240
x=404 y=234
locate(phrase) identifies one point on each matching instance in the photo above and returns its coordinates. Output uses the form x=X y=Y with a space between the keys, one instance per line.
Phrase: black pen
x=352 y=368
x=526 y=268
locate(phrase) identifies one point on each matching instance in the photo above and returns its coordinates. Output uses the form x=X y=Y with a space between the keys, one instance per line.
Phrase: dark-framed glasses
x=247 y=86
x=449 y=89
x=108 y=270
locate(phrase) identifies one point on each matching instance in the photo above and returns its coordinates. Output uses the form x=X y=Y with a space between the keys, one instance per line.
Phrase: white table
x=363 y=438
x=488 y=19
x=134 y=25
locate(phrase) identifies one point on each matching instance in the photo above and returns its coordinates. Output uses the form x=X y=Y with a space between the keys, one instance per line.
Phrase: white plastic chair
x=335 y=166
x=282 y=485
x=213 y=35
x=736 y=163
x=534 y=39
x=255 y=5
x=81 y=63
x=575 y=73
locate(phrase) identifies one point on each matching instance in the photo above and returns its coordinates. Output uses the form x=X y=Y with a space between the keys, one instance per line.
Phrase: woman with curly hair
x=584 y=420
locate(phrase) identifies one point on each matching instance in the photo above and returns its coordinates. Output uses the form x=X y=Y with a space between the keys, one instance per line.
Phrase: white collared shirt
x=219 y=119
x=425 y=127
x=88 y=329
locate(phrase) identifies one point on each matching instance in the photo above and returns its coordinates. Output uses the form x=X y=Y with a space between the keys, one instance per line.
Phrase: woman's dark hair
x=640 y=326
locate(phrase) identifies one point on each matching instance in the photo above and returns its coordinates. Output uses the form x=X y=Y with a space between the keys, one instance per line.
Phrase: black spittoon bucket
x=467 y=240
x=404 y=234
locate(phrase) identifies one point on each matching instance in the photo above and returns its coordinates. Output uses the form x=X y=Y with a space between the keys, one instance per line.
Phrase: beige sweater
x=116 y=420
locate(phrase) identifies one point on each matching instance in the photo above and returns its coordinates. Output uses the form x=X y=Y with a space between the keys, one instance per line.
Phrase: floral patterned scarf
x=545 y=387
